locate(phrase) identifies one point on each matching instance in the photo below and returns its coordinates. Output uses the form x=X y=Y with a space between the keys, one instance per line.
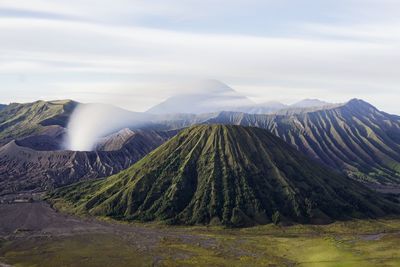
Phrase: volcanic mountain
x=210 y=96
x=230 y=175
x=36 y=163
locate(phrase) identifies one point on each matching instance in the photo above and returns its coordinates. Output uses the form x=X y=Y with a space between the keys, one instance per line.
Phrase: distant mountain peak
x=203 y=97
x=212 y=86
x=310 y=103
x=359 y=104
x=357 y=101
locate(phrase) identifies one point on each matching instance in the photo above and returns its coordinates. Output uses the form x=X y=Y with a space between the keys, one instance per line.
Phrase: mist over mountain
x=89 y=122
x=210 y=96
x=263 y=108
x=309 y=103
x=229 y=175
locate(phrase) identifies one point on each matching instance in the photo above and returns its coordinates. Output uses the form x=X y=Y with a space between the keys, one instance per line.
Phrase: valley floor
x=33 y=234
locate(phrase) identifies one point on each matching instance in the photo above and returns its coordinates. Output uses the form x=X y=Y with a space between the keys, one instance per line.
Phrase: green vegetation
x=77 y=250
x=353 y=243
x=229 y=175
x=19 y=120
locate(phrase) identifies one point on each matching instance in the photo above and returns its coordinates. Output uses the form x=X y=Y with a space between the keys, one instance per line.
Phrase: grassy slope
x=354 y=243
x=225 y=174
x=19 y=120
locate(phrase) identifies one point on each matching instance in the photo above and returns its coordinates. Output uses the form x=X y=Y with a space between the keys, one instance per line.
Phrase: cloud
x=368 y=32
x=85 y=47
x=89 y=57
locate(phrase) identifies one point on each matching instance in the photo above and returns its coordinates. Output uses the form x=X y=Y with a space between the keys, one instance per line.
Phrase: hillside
x=228 y=175
x=21 y=120
x=25 y=164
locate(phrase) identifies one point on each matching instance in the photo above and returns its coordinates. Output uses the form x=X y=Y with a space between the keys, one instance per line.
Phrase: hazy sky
x=137 y=53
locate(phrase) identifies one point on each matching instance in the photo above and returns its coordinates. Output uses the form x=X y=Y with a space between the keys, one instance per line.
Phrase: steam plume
x=92 y=121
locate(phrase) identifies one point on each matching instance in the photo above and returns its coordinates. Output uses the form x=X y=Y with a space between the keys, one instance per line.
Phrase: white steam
x=89 y=122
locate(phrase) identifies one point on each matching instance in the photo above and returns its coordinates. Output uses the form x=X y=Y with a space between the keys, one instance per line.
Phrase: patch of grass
x=338 y=244
x=352 y=243
x=79 y=250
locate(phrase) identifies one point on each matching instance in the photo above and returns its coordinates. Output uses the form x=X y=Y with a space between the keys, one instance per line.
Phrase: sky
x=135 y=54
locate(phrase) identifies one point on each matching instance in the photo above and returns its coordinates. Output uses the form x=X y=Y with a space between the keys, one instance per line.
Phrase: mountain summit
x=206 y=97
x=310 y=103
x=230 y=175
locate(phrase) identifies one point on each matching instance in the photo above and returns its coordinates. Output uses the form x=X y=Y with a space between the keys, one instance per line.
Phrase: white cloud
x=91 y=8
x=329 y=60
